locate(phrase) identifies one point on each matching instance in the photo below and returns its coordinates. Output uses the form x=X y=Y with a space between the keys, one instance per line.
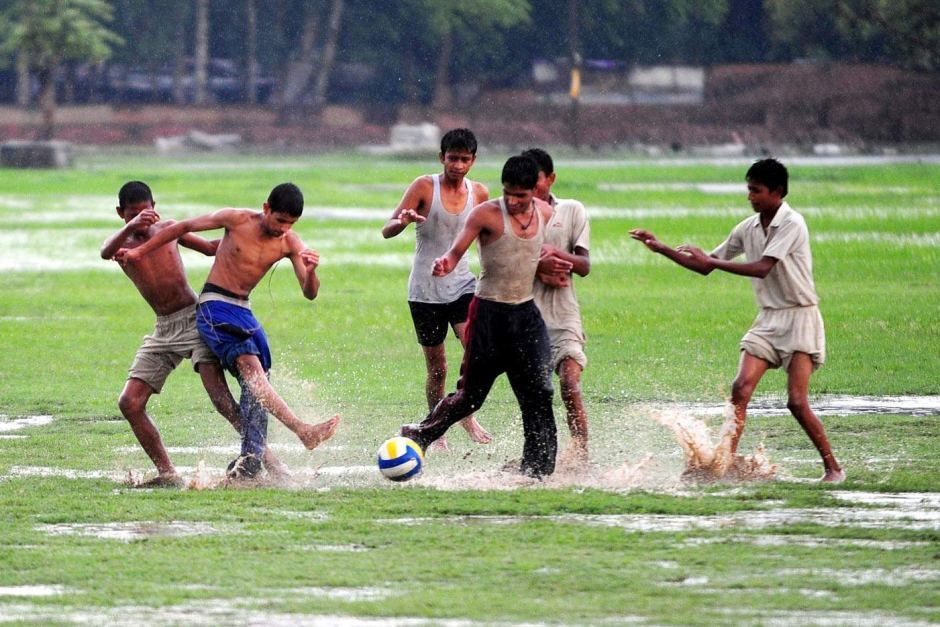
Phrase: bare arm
x=701 y=264
x=139 y=224
x=199 y=244
x=305 y=261
x=218 y=219
x=758 y=269
x=411 y=208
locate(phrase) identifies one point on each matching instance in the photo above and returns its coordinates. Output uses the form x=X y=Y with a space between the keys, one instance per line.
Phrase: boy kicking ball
x=788 y=332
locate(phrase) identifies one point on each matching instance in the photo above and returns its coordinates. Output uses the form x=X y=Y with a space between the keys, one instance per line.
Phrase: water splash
x=709 y=460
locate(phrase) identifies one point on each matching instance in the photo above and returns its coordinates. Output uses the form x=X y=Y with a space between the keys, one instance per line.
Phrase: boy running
x=505 y=331
x=161 y=281
x=253 y=242
x=788 y=332
x=438 y=205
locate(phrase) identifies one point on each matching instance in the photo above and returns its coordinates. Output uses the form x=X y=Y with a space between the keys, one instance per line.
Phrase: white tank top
x=433 y=238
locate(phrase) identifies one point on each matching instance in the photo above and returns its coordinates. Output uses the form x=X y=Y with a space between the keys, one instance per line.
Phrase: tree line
x=423 y=51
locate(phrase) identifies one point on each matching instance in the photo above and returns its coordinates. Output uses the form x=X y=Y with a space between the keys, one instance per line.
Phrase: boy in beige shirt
x=788 y=332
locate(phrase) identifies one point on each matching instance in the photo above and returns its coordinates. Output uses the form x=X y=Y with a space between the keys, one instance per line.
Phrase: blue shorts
x=231 y=330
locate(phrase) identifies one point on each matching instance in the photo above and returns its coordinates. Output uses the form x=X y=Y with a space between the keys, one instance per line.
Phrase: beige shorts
x=174 y=338
x=778 y=333
x=567 y=344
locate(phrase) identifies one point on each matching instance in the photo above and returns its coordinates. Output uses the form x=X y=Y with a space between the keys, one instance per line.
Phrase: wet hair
x=520 y=171
x=134 y=192
x=459 y=139
x=287 y=198
x=546 y=165
x=771 y=173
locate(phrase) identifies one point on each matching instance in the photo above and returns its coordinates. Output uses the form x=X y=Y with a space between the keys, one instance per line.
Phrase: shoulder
x=424 y=184
x=570 y=206
x=479 y=190
x=544 y=207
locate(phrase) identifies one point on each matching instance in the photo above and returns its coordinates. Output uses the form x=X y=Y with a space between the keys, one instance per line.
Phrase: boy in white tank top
x=438 y=205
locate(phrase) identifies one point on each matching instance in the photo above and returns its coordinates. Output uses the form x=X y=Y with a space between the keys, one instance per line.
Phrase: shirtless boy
x=505 y=329
x=253 y=242
x=438 y=205
x=161 y=281
x=788 y=332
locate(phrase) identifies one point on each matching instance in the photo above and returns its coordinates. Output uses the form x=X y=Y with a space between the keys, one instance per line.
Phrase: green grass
x=352 y=545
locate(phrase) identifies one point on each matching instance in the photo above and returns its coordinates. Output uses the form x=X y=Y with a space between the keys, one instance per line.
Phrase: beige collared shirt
x=790 y=283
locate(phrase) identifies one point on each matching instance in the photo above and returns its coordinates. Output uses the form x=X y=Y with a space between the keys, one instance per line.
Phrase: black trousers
x=511 y=339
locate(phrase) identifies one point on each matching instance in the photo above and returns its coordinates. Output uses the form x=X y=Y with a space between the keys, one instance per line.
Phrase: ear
x=440 y=157
x=266 y=208
x=551 y=179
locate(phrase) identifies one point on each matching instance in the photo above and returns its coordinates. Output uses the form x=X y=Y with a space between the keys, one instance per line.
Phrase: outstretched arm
x=218 y=219
x=758 y=269
x=697 y=263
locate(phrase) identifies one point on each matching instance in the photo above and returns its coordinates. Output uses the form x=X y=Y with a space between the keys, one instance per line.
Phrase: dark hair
x=459 y=139
x=287 y=198
x=133 y=192
x=771 y=173
x=546 y=165
x=521 y=171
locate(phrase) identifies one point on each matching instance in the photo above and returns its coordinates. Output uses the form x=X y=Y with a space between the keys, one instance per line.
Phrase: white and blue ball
x=400 y=459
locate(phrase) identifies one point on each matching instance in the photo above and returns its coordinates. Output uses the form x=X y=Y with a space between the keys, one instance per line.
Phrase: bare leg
x=435 y=360
x=474 y=429
x=133 y=406
x=569 y=377
x=801 y=367
x=750 y=371
x=213 y=379
x=310 y=435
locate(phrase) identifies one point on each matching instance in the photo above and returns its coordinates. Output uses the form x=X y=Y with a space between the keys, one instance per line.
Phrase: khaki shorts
x=567 y=344
x=174 y=338
x=778 y=333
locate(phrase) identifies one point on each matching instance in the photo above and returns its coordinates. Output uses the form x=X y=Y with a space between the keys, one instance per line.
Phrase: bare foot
x=277 y=469
x=575 y=457
x=833 y=476
x=476 y=431
x=313 y=435
x=440 y=444
x=169 y=480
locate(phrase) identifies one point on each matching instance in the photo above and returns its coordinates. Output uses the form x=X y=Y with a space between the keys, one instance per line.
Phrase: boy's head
x=286 y=198
x=134 y=192
x=520 y=176
x=771 y=174
x=459 y=140
x=543 y=189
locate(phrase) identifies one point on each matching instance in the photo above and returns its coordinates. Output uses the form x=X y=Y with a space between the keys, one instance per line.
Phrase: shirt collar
x=779 y=217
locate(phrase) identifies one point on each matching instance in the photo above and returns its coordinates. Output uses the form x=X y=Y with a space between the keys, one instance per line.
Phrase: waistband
x=186 y=313
x=793 y=308
x=211 y=291
x=495 y=304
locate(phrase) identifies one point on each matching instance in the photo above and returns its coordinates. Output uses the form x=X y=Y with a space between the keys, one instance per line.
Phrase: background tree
x=50 y=32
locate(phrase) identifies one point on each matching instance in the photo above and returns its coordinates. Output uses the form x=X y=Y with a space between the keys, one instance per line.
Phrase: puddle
x=917 y=520
x=822 y=618
x=807 y=541
x=917 y=501
x=337 y=548
x=894 y=577
x=336 y=594
x=8 y=424
x=36 y=590
x=65 y=473
x=129 y=531
x=831 y=406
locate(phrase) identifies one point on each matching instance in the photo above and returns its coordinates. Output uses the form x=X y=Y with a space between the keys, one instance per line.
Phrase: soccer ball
x=400 y=459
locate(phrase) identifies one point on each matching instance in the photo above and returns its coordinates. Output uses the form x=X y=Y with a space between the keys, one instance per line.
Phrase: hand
x=550 y=264
x=311 y=259
x=125 y=256
x=144 y=220
x=407 y=216
x=693 y=251
x=649 y=240
x=554 y=280
x=442 y=266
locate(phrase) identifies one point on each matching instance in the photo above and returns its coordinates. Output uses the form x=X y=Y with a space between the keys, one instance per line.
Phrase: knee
x=131 y=404
x=797 y=405
x=741 y=390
